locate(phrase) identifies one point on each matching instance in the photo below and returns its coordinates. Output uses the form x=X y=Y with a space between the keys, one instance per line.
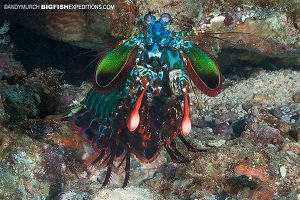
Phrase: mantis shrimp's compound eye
x=149 y=19
x=165 y=19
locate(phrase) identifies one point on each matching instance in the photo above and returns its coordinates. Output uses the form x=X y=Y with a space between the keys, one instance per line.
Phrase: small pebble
x=264 y=98
x=296 y=97
x=282 y=171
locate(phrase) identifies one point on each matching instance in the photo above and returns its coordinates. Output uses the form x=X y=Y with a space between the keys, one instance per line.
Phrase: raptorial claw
x=134 y=117
x=186 y=124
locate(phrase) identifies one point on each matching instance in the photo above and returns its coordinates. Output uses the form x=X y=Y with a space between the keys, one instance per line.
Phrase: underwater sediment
x=251 y=130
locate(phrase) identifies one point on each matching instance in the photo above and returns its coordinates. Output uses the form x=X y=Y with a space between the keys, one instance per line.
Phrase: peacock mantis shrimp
x=139 y=86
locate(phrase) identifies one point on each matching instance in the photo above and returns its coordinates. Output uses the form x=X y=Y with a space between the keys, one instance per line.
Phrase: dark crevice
x=243 y=62
x=35 y=51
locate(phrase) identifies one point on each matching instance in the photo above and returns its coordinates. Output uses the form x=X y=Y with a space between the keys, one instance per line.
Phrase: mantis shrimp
x=135 y=106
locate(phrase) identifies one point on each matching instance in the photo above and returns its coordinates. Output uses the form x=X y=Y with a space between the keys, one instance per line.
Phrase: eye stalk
x=149 y=19
x=165 y=19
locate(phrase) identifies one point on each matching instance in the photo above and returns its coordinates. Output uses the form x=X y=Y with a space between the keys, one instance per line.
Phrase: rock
x=283 y=127
x=223 y=129
x=278 y=112
x=263 y=98
x=216 y=143
x=181 y=185
x=3 y=115
x=292 y=147
x=10 y=68
x=198 y=104
x=227 y=116
x=19 y=101
x=47 y=84
x=228 y=20
x=73 y=195
x=259 y=173
x=263 y=193
x=21 y=169
x=268 y=135
x=5 y=138
x=277 y=123
x=296 y=97
x=5 y=39
x=36 y=96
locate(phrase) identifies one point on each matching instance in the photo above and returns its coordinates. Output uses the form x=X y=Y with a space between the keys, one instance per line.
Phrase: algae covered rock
x=23 y=176
x=20 y=101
